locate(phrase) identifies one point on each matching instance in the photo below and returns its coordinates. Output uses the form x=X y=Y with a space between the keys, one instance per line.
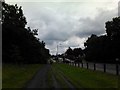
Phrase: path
x=40 y=80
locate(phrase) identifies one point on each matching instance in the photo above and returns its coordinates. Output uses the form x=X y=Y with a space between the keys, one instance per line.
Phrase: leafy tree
x=19 y=43
x=74 y=54
x=69 y=53
x=113 y=28
x=105 y=48
x=113 y=32
x=77 y=53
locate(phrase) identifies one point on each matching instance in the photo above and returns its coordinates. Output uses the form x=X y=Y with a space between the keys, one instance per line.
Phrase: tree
x=113 y=32
x=113 y=28
x=105 y=48
x=13 y=16
x=69 y=53
x=77 y=53
x=19 y=43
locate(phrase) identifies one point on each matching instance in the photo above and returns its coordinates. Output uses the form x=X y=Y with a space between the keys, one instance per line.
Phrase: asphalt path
x=40 y=80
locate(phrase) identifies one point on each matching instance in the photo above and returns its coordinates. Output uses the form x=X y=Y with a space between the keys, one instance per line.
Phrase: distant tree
x=74 y=54
x=77 y=53
x=69 y=53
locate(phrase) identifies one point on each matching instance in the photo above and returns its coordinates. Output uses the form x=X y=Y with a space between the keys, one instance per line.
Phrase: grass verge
x=49 y=78
x=16 y=76
x=59 y=77
x=84 y=78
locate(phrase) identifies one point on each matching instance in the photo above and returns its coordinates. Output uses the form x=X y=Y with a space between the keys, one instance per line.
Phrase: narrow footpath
x=40 y=80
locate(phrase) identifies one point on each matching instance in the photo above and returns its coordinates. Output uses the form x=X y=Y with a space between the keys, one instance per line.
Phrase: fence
x=109 y=68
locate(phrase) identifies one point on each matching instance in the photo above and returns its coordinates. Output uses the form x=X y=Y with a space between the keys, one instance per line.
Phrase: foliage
x=105 y=48
x=20 y=44
x=74 y=54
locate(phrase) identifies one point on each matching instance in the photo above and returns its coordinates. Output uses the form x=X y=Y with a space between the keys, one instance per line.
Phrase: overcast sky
x=67 y=23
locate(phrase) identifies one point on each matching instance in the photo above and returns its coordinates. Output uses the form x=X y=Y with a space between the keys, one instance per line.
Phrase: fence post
x=87 y=65
x=82 y=64
x=117 y=69
x=78 y=64
x=104 y=67
x=94 y=66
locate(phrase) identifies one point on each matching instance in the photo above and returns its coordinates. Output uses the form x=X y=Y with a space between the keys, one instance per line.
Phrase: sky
x=67 y=23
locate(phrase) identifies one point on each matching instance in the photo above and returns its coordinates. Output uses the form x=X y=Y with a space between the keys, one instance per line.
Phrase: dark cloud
x=97 y=25
x=58 y=23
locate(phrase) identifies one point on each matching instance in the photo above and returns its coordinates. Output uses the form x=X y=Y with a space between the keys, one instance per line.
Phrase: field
x=16 y=76
x=84 y=78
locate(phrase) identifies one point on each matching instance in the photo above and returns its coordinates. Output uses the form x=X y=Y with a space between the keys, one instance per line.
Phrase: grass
x=84 y=78
x=59 y=77
x=54 y=73
x=15 y=76
x=49 y=78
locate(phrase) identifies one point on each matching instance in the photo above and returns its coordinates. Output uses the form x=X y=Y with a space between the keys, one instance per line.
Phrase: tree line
x=19 y=43
x=104 y=48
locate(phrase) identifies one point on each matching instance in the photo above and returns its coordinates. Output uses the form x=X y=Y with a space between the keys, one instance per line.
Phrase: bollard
x=87 y=65
x=104 y=67
x=94 y=66
x=82 y=65
x=117 y=69
x=78 y=64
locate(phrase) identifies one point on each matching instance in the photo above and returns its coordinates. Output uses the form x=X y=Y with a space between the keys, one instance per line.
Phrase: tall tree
x=105 y=48
x=19 y=43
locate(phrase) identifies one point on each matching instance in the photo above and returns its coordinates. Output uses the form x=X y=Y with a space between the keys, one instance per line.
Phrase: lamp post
x=57 y=50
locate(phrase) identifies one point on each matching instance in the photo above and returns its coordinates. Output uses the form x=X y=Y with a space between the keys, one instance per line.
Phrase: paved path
x=40 y=80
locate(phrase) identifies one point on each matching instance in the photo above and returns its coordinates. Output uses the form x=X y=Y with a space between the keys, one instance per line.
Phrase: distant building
x=119 y=8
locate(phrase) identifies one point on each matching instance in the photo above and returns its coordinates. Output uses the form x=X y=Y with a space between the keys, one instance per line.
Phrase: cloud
x=68 y=23
x=58 y=26
x=96 y=25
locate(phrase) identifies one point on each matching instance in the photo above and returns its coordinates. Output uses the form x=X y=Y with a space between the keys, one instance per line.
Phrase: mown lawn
x=17 y=76
x=84 y=78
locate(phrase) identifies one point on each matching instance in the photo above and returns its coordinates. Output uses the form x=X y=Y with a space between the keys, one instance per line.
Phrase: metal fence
x=107 y=68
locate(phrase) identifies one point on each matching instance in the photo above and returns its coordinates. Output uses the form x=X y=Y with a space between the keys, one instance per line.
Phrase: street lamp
x=57 y=50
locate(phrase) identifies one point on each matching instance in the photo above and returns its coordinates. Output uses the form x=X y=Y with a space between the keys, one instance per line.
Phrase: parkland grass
x=84 y=78
x=59 y=78
x=17 y=76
